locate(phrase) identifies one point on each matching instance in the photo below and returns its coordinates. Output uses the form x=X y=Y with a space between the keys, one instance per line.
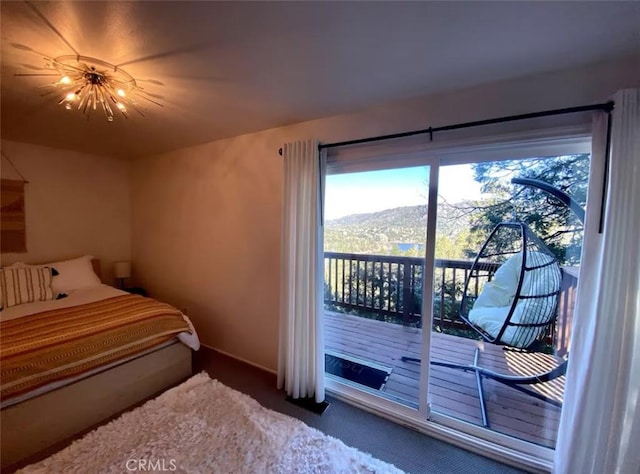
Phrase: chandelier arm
x=65 y=67
x=111 y=92
x=94 y=97
x=103 y=102
x=110 y=114
x=91 y=97
x=84 y=100
x=56 y=85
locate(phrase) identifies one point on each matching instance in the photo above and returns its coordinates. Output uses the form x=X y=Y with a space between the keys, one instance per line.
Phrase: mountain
x=408 y=216
x=383 y=231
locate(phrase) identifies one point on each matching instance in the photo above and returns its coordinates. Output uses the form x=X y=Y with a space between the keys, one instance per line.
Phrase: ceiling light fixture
x=88 y=84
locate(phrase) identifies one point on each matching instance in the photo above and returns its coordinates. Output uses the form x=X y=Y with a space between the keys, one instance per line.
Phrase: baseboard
x=240 y=359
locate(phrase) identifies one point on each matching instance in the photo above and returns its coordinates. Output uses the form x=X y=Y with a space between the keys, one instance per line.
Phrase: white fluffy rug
x=202 y=426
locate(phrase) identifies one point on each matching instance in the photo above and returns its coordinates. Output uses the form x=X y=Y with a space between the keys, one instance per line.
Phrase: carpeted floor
x=405 y=448
x=203 y=426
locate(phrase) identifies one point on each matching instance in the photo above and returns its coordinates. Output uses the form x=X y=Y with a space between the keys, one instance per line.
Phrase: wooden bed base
x=38 y=423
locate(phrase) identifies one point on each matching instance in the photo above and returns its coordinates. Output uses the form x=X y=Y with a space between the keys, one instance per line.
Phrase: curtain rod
x=606 y=107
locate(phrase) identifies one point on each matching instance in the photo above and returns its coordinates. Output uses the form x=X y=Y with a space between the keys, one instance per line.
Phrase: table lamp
x=122 y=271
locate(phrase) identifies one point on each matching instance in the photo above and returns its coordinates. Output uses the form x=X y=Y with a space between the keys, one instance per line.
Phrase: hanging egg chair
x=510 y=298
x=511 y=292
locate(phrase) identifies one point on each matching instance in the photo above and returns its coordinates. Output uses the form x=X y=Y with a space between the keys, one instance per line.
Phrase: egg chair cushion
x=495 y=302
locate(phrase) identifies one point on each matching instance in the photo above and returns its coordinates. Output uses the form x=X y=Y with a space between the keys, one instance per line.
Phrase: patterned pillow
x=25 y=285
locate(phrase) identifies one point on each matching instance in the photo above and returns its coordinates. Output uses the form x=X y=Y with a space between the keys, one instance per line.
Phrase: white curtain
x=301 y=355
x=600 y=424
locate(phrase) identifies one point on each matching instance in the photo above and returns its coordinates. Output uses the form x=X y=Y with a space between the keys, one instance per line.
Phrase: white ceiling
x=225 y=69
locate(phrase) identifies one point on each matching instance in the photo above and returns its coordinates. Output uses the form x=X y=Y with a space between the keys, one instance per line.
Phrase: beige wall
x=76 y=204
x=206 y=220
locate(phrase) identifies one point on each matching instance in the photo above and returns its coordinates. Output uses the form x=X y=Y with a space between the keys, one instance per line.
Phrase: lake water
x=405 y=247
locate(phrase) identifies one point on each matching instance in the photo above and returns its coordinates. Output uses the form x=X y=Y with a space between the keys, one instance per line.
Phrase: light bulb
x=110 y=118
x=121 y=93
x=71 y=96
x=67 y=106
x=121 y=106
x=65 y=80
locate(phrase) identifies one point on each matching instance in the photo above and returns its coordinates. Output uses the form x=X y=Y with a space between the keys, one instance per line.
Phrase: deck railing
x=389 y=288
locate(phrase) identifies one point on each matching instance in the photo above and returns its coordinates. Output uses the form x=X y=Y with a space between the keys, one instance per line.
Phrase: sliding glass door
x=449 y=288
x=501 y=328
x=375 y=237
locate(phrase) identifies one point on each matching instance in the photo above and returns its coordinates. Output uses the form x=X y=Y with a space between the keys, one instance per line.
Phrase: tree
x=551 y=220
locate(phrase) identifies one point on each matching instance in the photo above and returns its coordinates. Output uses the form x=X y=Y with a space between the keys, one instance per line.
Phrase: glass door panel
x=473 y=363
x=375 y=230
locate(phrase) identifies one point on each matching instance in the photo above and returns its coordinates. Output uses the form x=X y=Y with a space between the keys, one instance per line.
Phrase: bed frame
x=41 y=422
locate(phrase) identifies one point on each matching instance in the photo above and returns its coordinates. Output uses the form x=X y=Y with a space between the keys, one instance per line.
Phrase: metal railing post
x=407 y=300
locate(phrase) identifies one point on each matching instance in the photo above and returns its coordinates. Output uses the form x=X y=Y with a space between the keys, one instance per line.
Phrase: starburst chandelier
x=88 y=84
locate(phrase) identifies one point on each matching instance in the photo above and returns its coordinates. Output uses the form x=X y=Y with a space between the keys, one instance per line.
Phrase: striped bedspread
x=62 y=343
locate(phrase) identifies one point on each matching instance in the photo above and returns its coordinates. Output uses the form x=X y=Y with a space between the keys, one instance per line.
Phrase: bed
x=70 y=363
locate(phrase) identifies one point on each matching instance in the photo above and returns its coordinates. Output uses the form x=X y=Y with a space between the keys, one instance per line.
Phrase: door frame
x=504 y=448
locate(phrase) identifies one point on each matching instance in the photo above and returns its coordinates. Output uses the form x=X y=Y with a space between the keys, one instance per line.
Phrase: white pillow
x=75 y=274
x=501 y=290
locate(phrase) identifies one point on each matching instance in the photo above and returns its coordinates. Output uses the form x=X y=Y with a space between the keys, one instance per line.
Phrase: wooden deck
x=452 y=391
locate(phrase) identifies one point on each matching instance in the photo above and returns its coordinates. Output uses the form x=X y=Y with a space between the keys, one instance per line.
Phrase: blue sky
x=357 y=193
